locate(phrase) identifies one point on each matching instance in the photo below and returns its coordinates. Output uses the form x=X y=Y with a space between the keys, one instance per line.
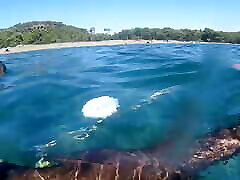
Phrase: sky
x=221 y=15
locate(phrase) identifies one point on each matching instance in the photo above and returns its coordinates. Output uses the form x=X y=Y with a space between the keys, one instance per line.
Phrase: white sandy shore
x=25 y=48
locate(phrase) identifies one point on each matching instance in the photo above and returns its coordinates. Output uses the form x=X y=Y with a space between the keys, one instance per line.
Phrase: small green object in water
x=42 y=163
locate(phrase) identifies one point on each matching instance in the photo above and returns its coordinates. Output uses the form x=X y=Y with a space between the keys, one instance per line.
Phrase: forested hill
x=45 y=32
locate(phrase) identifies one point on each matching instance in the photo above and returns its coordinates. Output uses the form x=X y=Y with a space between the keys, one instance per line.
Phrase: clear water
x=165 y=91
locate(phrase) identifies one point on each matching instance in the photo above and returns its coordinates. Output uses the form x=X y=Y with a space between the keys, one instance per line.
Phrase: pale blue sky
x=121 y=14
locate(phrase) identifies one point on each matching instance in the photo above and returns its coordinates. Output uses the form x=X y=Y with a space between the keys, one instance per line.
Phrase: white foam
x=159 y=93
x=101 y=107
x=153 y=97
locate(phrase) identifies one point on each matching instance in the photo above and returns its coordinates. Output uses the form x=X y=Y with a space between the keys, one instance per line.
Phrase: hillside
x=44 y=32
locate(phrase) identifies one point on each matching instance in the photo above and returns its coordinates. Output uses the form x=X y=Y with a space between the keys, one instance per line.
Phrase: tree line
x=53 y=32
x=206 y=35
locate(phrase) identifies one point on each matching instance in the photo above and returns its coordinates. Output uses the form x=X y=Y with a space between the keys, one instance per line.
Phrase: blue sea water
x=175 y=92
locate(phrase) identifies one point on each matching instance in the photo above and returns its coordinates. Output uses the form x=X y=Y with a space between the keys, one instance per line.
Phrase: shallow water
x=176 y=92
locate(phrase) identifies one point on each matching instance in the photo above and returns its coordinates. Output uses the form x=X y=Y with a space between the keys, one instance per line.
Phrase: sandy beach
x=25 y=48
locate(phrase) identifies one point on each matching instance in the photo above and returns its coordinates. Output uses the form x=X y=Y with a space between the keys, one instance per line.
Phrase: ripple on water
x=160 y=87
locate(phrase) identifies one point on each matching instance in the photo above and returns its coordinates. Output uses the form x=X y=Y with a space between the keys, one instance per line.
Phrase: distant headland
x=37 y=35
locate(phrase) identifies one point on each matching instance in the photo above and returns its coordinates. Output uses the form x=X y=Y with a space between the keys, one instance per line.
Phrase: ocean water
x=177 y=92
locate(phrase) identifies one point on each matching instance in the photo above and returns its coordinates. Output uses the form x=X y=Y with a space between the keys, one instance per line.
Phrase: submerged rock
x=3 y=68
x=148 y=164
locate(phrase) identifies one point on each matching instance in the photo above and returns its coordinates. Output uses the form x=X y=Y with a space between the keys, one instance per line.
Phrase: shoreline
x=27 y=48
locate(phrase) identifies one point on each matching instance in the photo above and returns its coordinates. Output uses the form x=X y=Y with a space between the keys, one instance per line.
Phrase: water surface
x=177 y=92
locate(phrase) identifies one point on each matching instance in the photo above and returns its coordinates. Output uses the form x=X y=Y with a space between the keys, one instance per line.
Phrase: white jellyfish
x=100 y=107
